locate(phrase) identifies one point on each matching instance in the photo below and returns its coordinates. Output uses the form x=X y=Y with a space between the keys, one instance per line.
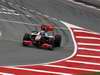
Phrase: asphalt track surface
x=13 y=27
x=63 y=9
x=55 y=8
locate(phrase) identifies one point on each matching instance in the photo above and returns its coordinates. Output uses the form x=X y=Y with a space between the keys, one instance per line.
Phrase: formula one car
x=40 y=40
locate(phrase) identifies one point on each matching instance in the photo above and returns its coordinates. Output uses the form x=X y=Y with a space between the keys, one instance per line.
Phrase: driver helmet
x=44 y=27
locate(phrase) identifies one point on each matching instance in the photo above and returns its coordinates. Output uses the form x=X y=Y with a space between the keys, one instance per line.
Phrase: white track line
x=9 y=13
x=74 y=41
x=73 y=38
x=89 y=49
x=84 y=5
x=37 y=70
x=85 y=37
x=16 y=22
x=71 y=25
x=83 y=62
x=82 y=69
x=0 y=33
x=88 y=56
x=90 y=44
x=91 y=32
x=1 y=73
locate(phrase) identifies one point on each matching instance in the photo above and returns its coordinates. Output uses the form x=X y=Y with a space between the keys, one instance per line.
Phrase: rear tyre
x=57 y=41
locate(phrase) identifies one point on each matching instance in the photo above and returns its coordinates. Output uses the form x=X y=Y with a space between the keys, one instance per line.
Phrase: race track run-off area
x=86 y=59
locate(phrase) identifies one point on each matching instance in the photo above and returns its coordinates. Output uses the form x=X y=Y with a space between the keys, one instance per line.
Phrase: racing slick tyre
x=27 y=37
x=51 y=42
x=57 y=41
